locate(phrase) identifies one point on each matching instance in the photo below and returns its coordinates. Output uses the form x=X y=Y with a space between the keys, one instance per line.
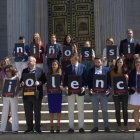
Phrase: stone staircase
x=45 y=123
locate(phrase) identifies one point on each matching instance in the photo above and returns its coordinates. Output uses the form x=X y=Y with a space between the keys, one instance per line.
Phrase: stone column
x=110 y=21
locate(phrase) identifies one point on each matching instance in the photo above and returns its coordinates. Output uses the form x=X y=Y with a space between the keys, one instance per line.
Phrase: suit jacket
x=81 y=70
x=136 y=45
x=132 y=78
x=105 y=71
x=40 y=76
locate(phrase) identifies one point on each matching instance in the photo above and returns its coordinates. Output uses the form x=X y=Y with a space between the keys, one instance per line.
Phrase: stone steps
x=64 y=119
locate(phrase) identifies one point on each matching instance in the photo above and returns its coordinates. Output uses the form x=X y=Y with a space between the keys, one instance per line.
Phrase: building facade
x=99 y=20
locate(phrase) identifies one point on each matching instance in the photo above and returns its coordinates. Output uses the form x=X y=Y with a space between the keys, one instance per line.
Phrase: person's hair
x=76 y=55
x=110 y=39
x=11 y=69
x=124 y=69
x=136 y=59
x=53 y=35
x=21 y=37
x=59 y=70
x=98 y=57
x=129 y=30
x=65 y=40
x=5 y=61
x=36 y=35
x=32 y=57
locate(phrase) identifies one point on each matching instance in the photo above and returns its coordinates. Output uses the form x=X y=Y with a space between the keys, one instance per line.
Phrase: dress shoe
x=14 y=132
x=94 y=130
x=38 y=131
x=70 y=130
x=58 y=129
x=81 y=130
x=29 y=131
x=1 y=132
x=52 y=129
x=107 y=130
x=137 y=129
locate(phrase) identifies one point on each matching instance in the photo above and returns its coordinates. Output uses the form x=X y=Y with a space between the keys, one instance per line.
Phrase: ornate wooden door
x=75 y=17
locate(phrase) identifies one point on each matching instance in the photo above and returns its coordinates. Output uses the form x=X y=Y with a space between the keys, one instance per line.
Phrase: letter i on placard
x=34 y=49
x=129 y=51
x=10 y=86
x=53 y=82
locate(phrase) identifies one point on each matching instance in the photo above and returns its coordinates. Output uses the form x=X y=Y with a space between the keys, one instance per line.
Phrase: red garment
x=39 y=60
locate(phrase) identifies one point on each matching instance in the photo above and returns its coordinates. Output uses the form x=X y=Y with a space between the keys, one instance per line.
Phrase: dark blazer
x=105 y=71
x=80 y=71
x=136 y=45
x=40 y=76
x=132 y=78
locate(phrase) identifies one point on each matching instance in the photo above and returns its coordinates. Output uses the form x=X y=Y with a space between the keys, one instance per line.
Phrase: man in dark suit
x=77 y=69
x=129 y=59
x=33 y=102
x=99 y=96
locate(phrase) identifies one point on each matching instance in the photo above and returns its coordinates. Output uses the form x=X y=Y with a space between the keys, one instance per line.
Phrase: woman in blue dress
x=55 y=98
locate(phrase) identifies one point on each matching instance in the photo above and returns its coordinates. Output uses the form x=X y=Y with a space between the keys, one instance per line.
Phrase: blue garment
x=81 y=71
x=54 y=102
x=24 y=57
x=103 y=99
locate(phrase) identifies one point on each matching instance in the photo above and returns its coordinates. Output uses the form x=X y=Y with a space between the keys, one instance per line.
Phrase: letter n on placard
x=10 y=88
x=86 y=53
x=53 y=83
x=74 y=84
x=29 y=84
x=34 y=50
x=67 y=52
x=19 y=49
x=111 y=52
x=100 y=83
x=120 y=85
x=51 y=51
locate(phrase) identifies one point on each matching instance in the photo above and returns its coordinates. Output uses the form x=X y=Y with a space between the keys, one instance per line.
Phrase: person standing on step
x=21 y=59
x=135 y=91
x=32 y=103
x=57 y=51
x=55 y=98
x=99 y=97
x=37 y=42
x=120 y=99
x=10 y=101
x=127 y=43
x=75 y=69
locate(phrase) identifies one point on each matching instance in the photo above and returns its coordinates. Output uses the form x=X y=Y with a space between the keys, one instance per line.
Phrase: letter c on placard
x=119 y=85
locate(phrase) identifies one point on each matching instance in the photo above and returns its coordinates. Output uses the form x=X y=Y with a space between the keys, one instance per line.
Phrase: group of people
x=127 y=66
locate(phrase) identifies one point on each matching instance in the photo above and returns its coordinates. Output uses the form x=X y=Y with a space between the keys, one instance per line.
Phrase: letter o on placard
x=75 y=84
x=67 y=53
x=29 y=82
